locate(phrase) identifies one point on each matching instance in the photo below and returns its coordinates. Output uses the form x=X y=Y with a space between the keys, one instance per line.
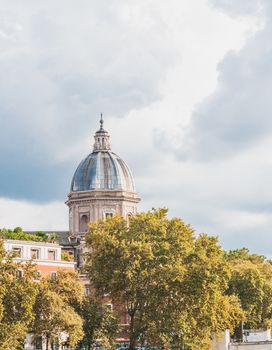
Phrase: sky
x=185 y=89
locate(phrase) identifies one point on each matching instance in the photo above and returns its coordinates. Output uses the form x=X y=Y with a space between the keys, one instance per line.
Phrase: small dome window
x=108 y=213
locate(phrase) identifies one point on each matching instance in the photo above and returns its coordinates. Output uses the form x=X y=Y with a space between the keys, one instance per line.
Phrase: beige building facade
x=46 y=257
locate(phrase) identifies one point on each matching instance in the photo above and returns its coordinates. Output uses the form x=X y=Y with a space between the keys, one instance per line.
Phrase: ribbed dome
x=102 y=170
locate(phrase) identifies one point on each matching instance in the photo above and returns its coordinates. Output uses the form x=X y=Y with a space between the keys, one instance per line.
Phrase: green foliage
x=251 y=282
x=67 y=257
x=243 y=254
x=54 y=316
x=18 y=229
x=98 y=323
x=178 y=289
x=172 y=283
x=69 y=286
x=48 y=307
x=17 y=297
x=55 y=308
x=18 y=234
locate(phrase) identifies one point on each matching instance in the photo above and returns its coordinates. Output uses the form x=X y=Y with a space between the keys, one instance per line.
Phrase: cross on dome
x=101 y=122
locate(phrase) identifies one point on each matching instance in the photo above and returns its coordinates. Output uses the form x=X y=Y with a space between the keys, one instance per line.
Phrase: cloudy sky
x=185 y=88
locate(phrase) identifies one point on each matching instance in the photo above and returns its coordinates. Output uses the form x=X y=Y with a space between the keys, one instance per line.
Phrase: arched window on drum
x=83 y=224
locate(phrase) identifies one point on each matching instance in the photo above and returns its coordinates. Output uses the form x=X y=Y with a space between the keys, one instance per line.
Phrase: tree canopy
x=177 y=289
x=17 y=297
x=18 y=234
x=172 y=283
x=251 y=282
x=98 y=323
x=48 y=307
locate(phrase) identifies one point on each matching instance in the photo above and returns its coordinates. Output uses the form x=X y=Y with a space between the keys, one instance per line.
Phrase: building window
x=83 y=225
x=35 y=253
x=108 y=213
x=51 y=255
x=53 y=275
x=17 y=252
x=19 y=273
x=87 y=291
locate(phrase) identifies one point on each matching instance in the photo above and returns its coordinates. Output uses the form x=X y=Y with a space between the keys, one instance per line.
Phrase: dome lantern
x=102 y=138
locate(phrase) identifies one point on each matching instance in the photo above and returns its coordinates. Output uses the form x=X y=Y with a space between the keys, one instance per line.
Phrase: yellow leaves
x=251 y=282
x=17 y=296
x=11 y=335
x=48 y=304
x=165 y=274
x=68 y=285
x=55 y=309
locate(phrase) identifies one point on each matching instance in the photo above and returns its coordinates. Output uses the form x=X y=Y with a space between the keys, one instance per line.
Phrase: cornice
x=101 y=196
x=101 y=200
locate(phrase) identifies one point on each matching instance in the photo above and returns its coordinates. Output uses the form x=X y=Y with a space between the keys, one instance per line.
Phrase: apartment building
x=47 y=257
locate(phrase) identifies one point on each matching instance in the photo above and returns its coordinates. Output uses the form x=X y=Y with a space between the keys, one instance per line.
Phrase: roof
x=102 y=170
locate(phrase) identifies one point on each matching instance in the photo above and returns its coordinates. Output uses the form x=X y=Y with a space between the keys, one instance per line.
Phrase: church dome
x=102 y=169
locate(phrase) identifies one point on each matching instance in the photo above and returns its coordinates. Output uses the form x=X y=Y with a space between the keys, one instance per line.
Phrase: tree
x=54 y=317
x=69 y=286
x=171 y=283
x=209 y=310
x=18 y=229
x=251 y=282
x=17 y=297
x=98 y=323
x=46 y=308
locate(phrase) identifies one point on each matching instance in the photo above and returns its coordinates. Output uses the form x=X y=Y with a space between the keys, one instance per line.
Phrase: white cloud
x=31 y=216
x=237 y=114
x=61 y=65
x=148 y=65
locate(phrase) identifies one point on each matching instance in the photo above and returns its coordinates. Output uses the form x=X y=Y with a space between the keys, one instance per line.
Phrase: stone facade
x=88 y=206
